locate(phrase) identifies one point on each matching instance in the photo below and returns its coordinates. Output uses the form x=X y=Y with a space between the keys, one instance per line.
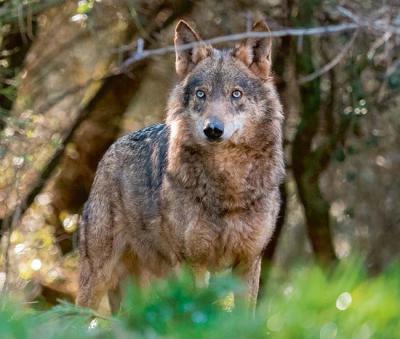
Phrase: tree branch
x=330 y=64
x=321 y=30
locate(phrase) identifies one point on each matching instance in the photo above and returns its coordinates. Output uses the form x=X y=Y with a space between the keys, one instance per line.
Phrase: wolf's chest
x=221 y=245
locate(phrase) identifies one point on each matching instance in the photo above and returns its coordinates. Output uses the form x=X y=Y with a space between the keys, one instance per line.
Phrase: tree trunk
x=306 y=164
x=281 y=66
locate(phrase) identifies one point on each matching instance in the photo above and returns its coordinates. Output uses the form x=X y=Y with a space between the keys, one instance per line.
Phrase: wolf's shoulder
x=156 y=131
x=139 y=145
x=145 y=138
x=150 y=133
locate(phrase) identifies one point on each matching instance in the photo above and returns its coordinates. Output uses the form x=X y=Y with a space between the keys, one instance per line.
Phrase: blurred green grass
x=306 y=302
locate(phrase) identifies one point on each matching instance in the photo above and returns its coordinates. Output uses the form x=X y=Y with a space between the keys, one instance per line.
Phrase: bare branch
x=378 y=43
x=357 y=24
x=377 y=25
x=322 y=30
x=330 y=64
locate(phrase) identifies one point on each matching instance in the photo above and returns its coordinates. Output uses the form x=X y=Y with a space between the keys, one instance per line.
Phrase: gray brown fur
x=165 y=195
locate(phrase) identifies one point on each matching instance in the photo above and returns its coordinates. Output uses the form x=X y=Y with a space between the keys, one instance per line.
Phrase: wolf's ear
x=255 y=53
x=188 y=58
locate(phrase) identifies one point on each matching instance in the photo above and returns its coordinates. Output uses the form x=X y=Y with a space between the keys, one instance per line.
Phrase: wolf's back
x=146 y=151
x=129 y=177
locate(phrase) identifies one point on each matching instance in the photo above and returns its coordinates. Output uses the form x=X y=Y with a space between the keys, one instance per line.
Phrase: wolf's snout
x=213 y=129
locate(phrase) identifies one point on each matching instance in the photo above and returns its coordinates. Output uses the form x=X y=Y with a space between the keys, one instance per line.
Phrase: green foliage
x=394 y=78
x=176 y=308
x=84 y=6
x=344 y=304
x=339 y=154
x=306 y=303
x=14 y=322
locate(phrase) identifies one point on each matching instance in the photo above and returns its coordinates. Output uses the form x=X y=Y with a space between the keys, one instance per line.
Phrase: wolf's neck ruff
x=224 y=177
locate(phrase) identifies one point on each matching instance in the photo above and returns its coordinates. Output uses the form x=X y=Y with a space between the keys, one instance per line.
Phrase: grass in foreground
x=306 y=303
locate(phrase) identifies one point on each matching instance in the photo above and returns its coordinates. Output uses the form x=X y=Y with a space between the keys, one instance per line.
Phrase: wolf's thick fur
x=166 y=194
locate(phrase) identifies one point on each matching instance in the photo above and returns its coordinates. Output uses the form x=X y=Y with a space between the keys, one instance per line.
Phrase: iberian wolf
x=200 y=189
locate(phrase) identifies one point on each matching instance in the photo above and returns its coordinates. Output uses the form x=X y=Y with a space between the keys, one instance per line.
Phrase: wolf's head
x=223 y=96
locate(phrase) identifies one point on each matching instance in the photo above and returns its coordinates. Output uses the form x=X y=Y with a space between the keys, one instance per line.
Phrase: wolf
x=201 y=189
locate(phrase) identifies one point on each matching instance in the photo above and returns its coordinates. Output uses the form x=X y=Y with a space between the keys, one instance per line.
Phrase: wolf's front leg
x=249 y=272
x=92 y=285
x=114 y=299
x=201 y=276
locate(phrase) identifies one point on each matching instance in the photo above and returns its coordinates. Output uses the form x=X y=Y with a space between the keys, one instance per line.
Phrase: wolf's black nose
x=213 y=129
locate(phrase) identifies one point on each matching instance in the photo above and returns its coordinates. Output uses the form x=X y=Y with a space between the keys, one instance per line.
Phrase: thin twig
x=377 y=25
x=249 y=20
x=378 y=43
x=330 y=64
x=21 y=23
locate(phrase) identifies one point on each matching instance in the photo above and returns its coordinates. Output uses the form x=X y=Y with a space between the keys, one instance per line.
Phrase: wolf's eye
x=236 y=94
x=200 y=94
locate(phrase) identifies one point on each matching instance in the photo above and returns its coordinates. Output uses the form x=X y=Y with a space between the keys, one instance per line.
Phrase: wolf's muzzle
x=213 y=129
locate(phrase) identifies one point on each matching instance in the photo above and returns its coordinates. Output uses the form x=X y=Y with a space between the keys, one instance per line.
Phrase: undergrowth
x=304 y=303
